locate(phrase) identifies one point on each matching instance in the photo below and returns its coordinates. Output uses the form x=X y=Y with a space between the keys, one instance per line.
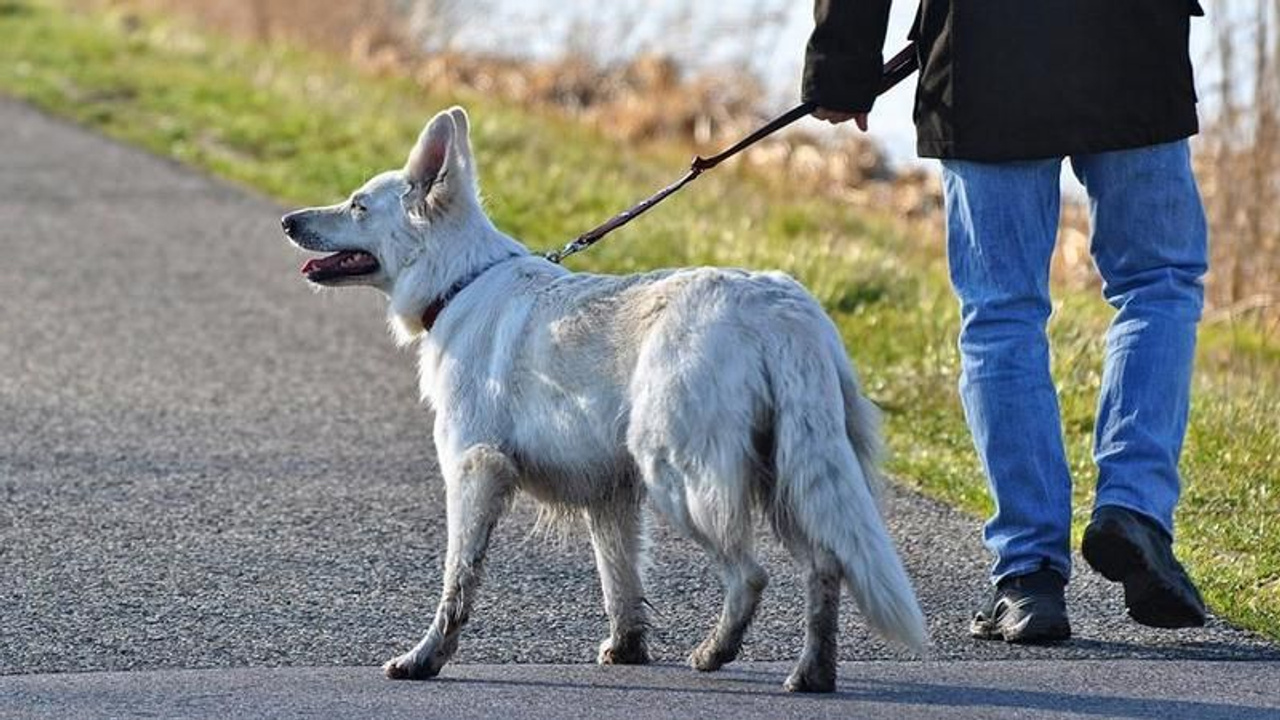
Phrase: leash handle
x=897 y=69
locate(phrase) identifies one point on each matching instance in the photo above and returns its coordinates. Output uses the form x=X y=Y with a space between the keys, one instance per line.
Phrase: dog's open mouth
x=340 y=265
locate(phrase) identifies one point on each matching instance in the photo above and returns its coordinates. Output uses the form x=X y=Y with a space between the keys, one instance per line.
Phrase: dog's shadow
x=866 y=697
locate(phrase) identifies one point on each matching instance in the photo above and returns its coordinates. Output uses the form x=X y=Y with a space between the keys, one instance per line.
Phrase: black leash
x=898 y=68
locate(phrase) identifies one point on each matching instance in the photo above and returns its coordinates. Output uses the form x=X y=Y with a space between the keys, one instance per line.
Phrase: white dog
x=714 y=393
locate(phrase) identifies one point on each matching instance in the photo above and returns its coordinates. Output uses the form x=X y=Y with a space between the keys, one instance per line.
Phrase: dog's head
x=398 y=217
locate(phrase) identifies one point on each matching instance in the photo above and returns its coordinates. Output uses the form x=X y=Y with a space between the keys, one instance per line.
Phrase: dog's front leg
x=617 y=536
x=477 y=492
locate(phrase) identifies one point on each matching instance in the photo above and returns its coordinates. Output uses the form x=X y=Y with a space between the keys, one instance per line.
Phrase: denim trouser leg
x=1002 y=221
x=1150 y=245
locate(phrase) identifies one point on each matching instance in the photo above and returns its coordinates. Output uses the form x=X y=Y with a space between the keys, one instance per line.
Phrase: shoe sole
x=1152 y=598
x=1027 y=632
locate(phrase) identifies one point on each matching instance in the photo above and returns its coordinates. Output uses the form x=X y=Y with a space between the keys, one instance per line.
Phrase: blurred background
x=705 y=73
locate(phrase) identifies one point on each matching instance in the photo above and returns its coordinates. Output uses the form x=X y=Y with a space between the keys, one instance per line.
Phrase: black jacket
x=1019 y=79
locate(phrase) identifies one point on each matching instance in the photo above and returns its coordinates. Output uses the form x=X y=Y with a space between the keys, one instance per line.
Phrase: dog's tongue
x=346 y=262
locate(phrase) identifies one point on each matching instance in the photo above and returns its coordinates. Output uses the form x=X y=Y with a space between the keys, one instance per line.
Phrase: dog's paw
x=409 y=667
x=811 y=680
x=626 y=650
x=709 y=656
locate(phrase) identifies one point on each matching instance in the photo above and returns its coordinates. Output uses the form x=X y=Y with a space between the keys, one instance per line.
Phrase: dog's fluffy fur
x=713 y=393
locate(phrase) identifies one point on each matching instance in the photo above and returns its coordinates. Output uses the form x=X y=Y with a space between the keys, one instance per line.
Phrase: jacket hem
x=1001 y=150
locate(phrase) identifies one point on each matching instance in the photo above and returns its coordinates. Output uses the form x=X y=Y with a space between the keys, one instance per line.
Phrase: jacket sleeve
x=845 y=55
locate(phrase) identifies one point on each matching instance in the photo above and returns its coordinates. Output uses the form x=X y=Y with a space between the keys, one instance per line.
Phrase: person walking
x=1008 y=89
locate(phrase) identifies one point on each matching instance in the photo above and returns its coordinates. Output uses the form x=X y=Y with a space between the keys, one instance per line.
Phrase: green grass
x=306 y=129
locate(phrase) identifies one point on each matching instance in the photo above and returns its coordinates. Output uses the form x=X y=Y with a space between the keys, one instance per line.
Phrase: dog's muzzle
x=289 y=223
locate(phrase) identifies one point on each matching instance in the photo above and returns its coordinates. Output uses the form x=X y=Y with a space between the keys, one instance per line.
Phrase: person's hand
x=835 y=117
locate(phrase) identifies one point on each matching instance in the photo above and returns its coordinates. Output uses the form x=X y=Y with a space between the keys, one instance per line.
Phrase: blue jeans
x=1149 y=244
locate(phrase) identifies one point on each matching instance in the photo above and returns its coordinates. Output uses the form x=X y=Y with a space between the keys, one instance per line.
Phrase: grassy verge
x=305 y=129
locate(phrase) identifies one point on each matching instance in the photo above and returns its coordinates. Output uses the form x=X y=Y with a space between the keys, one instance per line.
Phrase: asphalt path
x=975 y=690
x=206 y=464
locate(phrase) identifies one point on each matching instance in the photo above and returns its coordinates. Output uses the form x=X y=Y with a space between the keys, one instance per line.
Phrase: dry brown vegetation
x=646 y=98
x=650 y=97
x=1239 y=162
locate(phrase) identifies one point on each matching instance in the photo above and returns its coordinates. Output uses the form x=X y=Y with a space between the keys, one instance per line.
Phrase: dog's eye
x=357 y=208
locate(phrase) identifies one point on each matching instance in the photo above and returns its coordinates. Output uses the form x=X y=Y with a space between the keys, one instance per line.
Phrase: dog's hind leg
x=695 y=397
x=744 y=582
x=477 y=491
x=717 y=516
x=816 y=670
x=617 y=536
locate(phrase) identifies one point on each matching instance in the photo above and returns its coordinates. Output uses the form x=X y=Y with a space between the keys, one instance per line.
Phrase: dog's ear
x=461 y=136
x=429 y=160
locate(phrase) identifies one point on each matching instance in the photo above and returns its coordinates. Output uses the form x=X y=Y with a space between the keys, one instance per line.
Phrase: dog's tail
x=827 y=455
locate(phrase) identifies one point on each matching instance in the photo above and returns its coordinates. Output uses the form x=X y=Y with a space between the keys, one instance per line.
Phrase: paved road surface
x=977 y=690
x=205 y=464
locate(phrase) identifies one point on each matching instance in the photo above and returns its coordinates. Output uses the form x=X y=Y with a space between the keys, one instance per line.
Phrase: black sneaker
x=1030 y=609
x=1126 y=547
